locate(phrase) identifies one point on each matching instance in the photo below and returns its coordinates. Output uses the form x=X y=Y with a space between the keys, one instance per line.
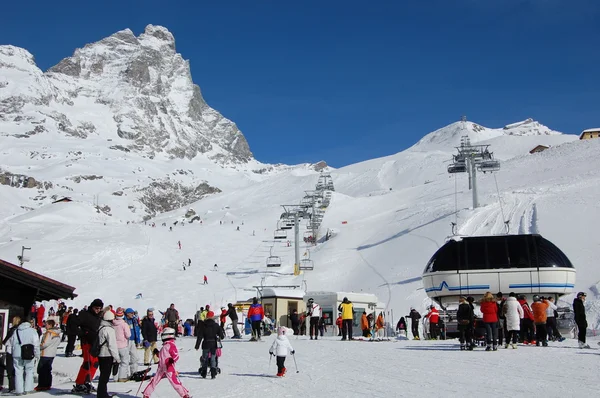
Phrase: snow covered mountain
x=136 y=91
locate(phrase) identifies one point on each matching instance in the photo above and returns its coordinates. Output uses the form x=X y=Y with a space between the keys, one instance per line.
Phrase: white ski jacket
x=281 y=346
x=550 y=310
x=514 y=313
x=315 y=311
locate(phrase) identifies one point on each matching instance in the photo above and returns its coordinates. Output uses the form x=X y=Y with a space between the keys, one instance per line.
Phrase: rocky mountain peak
x=137 y=90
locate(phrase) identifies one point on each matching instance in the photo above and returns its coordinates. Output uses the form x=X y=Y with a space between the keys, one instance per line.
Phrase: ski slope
x=381 y=243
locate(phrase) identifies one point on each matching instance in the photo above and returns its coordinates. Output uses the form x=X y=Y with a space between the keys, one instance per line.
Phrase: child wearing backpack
x=48 y=346
x=281 y=346
x=167 y=357
x=25 y=345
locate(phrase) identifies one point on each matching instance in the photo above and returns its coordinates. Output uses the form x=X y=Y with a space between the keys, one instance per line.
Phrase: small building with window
x=279 y=303
x=590 y=133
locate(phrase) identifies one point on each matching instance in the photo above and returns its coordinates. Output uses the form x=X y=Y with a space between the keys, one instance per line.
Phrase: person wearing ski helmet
x=167 y=356
x=580 y=318
x=209 y=334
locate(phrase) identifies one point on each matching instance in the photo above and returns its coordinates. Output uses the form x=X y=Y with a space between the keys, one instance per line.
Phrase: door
x=292 y=306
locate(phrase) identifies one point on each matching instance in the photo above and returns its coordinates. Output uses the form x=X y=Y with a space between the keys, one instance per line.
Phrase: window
x=518 y=251
x=475 y=253
x=445 y=259
x=496 y=252
x=549 y=255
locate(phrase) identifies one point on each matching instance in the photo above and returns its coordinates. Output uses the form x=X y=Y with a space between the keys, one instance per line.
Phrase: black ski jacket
x=72 y=325
x=208 y=333
x=149 y=331
x=88 y=323
x=579 y=310
x=414 y=316
x=465 y=312
x=232 y=314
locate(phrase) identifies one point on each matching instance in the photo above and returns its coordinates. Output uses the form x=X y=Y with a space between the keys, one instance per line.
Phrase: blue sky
x=347 y=81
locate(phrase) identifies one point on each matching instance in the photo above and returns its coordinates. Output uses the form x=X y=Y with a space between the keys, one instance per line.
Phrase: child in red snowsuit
x=167 y=357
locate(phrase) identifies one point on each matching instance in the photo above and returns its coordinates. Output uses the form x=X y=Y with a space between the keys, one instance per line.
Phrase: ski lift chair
x=280 y=234
x=306 y=264
x=273 y=261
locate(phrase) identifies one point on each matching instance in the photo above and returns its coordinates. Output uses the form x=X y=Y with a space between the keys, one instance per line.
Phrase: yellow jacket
x=347 y=310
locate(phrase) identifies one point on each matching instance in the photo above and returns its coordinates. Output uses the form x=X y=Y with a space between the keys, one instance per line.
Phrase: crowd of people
x=503 y=321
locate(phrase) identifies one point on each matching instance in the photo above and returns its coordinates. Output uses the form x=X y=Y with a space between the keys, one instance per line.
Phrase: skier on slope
x=280 y=348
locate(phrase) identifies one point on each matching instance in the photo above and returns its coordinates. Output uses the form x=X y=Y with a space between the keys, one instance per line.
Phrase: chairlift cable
x=501 y=207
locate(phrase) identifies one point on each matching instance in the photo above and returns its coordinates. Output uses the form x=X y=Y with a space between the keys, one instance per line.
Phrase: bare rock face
x=319 y=166
x=166 y=195
x=142 y=90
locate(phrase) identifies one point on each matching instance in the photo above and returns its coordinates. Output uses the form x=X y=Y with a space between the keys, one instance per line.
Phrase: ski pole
x=295 y=364
x=142 y=382
x=270 y=357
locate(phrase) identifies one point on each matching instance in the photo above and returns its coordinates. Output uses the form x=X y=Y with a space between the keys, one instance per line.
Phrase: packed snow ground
x=334 y=368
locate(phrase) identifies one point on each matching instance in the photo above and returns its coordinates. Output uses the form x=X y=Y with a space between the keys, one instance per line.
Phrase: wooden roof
x=47 y=289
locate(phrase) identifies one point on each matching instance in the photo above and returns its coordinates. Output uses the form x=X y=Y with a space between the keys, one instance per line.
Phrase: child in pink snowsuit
x=167 y=357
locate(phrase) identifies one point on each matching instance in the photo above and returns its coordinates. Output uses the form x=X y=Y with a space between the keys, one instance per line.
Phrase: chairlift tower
x=470 y=159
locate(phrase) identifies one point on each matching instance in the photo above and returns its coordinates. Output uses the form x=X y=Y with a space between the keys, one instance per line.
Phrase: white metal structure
x=273 y=261
x=280 y=234
x=472 y=266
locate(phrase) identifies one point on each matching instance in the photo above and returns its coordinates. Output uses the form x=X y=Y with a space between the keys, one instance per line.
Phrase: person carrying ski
x=280 y=348
x=232 y=314
x=167 y=357
x=347 y=310
x=209 y=334
x=314 y=311
x=414 y=323
x=580 y=318
x=256 y=315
